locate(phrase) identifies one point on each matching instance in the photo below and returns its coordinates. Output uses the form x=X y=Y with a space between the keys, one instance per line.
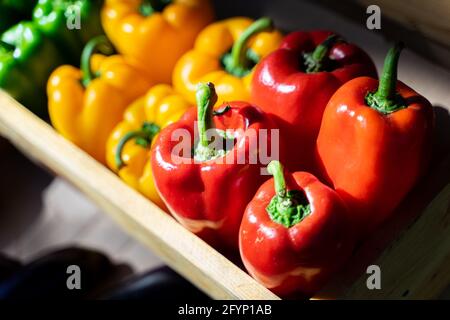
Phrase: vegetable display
x=295 y=233
x=85 y=105
x=375 y=143
x=295 y=82
x=201 y=116
x=155 y=33
x=128 y=146
x=225 y=53
x=208 y=190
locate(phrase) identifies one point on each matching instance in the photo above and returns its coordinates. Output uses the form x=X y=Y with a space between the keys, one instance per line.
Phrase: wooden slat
x=412 y=249
x=180 y=249
x=417 y=264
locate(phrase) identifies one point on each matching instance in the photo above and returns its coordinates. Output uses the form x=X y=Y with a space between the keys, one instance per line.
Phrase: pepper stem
x=314 y=62
x=386 y=99
x=206 y=98
x=204 y=151
x=222 y=111
x=101 y=44
x=238 y=52
x=388 y=82
x=276 y=169
x=238 y=62
x=286 y=207
x=143 y=137
x=148 y=7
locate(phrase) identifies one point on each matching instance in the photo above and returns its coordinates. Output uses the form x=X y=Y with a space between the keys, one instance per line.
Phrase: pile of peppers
x=38 y=36
x=285 y=150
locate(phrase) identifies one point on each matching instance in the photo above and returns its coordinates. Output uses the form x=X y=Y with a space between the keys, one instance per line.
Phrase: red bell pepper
x=208 y=191
x=375 y=143
x=295 y=82
x=295 y=233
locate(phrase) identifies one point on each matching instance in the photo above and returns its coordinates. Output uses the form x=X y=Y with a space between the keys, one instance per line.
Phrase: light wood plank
x=417 y=265
x=184 y=252
x=412 y=249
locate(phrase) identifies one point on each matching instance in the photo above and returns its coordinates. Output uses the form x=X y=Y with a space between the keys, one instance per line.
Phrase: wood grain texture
x=417 y=264
x=180 y=249
x=407 y=240
x=430 y=18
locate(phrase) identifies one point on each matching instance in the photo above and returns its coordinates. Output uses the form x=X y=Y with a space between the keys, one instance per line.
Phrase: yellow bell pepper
x=225 y=54
x=85 y=105
x=155 y=32
x=128 y=146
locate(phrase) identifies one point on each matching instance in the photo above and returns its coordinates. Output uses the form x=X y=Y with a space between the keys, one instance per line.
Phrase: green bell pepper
x=69 y=23
x=26 y=60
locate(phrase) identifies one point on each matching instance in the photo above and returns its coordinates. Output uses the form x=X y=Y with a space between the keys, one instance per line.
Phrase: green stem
x=143 y=137
x=276 y=169
x=238 y=53
x=286 y=207
x=204 y=151
x=238 y=62
x=322 y=49
x=388 y=82
x=386 y=99
x=101 y=44
x=222 y=111
x=148 y=7
x=206 y=98
x=314 y=62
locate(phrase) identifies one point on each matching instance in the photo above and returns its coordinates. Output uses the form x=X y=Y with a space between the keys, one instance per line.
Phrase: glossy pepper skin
x=156 y=33
x=295 y=233
x=239 y=40
x=296 y=93
x=85 y=105
x=208 y=192
x=128 y=146
x=58 y=20
x=374 y=153
x=26 y=60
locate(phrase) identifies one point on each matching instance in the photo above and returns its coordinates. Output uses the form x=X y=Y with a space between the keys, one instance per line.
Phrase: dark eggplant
x=160 y=284
x=48 y=276
x=8 y=267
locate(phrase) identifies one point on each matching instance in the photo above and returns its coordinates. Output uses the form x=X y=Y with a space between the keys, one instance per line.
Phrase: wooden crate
x=412 y=251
